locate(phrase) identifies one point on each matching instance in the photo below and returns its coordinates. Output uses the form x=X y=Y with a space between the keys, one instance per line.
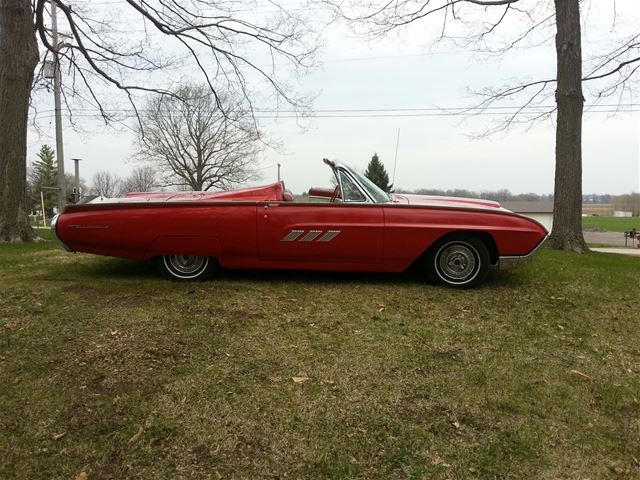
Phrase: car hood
x=450 y=202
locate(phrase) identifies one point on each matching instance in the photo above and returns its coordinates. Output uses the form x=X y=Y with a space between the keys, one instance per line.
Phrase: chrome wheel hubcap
x=186 y=265
x=457 y=262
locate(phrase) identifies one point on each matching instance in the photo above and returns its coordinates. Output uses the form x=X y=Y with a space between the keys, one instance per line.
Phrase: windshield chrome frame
x=336 y=167
x=365 y=193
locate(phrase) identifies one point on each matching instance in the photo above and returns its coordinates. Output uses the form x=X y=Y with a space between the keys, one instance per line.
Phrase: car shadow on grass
x=412 y=276
x=112 y=268
x=115 y=268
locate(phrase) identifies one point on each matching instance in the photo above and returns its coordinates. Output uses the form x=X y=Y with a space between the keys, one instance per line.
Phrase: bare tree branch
x=221 y=38
x=105 y=184
x=614 y=71
x=141 y=179
x=374 y=19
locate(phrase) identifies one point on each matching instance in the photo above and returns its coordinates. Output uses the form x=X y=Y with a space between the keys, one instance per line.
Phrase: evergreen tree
x=45 y=174
x=378 y=174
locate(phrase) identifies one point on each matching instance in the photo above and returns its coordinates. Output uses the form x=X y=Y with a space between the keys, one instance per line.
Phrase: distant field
x=612 y=224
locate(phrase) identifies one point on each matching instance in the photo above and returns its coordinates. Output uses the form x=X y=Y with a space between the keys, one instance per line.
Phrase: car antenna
x=395 y=162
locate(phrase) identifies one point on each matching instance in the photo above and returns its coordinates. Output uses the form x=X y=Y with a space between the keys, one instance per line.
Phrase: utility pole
x=58 y=110
x=77 y=178
x=44 y=214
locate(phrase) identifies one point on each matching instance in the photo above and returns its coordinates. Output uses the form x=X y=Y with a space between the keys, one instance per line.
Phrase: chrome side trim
x=330 y=235
x=318 y=199
x=509 y=262
x=292 y=236
x=311 y=236
x=54 y=222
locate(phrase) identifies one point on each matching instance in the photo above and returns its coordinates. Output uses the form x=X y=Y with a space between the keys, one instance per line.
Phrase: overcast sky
x=382 y=86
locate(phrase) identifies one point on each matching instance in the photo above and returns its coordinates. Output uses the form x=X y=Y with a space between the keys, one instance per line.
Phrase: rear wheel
x=186 y=267
x=459 y=261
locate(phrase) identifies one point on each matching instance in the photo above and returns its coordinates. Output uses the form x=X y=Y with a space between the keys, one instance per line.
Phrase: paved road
x=615 y=239
x=622 y=251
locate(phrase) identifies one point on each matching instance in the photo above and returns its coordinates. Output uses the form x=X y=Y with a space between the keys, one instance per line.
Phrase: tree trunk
x=567 y=209
x=18 y=60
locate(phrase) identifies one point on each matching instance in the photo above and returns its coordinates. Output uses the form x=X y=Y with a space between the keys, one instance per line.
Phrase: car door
x=312 y=232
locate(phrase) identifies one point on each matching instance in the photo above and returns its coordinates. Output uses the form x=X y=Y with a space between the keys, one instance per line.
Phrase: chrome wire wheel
x=185 y=267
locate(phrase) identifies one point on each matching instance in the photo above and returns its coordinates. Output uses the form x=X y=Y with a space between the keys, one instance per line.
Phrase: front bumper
x=509 y=262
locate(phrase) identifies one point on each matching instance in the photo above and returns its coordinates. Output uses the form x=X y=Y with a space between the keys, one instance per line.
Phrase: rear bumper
x=509 y=262
x=54 y=224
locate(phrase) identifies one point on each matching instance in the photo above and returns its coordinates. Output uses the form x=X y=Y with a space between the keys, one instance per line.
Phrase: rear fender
x=184 y=245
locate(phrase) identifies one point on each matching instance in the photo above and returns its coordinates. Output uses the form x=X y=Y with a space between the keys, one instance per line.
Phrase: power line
x=389 y=115
x=461 y=110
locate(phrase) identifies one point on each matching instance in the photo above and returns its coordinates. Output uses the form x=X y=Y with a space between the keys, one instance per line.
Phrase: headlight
x=54 y=222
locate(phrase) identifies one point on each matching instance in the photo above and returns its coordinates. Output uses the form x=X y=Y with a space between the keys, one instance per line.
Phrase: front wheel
x=460 y=261
x=186 y=267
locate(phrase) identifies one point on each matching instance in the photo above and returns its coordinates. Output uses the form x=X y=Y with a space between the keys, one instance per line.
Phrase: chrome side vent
x=311 y=236
x=292 y=236
x=330 y=235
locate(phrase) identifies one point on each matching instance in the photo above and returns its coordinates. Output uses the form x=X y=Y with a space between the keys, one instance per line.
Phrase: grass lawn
x=107 y=369
x=612 y=224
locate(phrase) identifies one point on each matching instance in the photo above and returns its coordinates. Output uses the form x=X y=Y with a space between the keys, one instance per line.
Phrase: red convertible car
x=353 y=227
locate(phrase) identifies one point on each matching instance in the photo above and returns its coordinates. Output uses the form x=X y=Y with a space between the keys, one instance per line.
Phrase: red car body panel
x=360 y=239
x=257 y=228
x=274 y=191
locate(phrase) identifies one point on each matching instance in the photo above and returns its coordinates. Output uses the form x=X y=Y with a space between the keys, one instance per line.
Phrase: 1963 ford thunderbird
x=354 y=226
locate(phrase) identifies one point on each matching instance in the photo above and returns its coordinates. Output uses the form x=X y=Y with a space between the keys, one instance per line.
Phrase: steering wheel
x=334 y=195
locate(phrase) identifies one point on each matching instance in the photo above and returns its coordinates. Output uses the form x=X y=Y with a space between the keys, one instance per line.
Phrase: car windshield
x=378 y=195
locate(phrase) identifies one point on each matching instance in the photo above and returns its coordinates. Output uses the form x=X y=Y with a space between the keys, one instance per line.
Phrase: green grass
x=400 y=379
x=612 y=224
x=36 y=222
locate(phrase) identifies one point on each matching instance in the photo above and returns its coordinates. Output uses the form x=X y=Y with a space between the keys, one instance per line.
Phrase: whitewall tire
x=186 y=268
x=459 y=261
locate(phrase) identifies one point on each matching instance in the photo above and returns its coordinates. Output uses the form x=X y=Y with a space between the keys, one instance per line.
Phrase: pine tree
x=378 y=174
x=45 y=174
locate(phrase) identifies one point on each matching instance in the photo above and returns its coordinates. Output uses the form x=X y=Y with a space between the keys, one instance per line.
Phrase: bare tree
x=479 y=19
x=141 y=179
x=198 y=141
x=105 y=184
x=116 y=50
